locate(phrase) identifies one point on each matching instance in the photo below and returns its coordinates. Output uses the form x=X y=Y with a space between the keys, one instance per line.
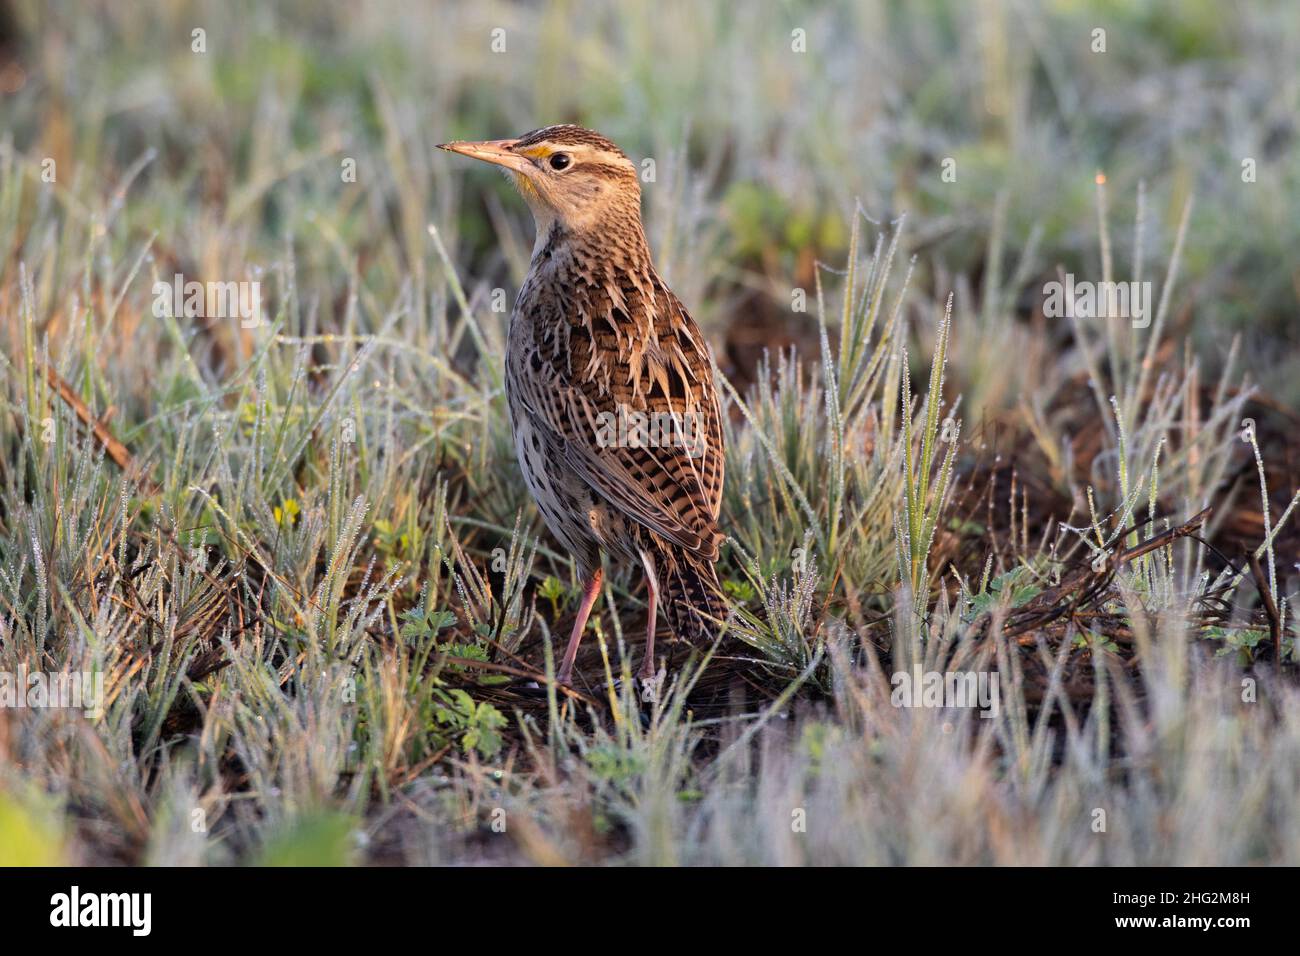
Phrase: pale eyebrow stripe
x=587 y=155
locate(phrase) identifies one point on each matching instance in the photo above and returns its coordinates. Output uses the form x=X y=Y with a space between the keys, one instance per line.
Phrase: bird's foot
x=651 y=681
x=564 y=677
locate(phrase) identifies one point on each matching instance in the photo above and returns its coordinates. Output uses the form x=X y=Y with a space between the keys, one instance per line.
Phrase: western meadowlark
x=612 y=400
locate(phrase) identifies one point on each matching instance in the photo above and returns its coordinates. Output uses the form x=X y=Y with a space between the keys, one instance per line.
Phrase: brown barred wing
x=640 y=424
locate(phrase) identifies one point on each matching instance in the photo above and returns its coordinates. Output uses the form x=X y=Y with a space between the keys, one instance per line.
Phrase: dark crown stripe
x=568 y=135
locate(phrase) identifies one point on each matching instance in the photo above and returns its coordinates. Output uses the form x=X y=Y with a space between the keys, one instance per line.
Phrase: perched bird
x=612 y=399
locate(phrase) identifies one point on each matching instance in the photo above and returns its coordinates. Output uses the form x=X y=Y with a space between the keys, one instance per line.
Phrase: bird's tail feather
x=692 y=598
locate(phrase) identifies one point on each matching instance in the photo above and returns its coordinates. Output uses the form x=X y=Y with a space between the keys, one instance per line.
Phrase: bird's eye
x=561 y=161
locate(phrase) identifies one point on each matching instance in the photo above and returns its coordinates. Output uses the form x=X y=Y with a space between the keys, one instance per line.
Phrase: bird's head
x=567 y=174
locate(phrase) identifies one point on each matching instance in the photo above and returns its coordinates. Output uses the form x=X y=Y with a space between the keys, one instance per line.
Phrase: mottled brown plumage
x=599 y=345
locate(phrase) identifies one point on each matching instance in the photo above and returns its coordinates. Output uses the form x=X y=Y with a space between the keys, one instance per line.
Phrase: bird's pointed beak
x=499 y=152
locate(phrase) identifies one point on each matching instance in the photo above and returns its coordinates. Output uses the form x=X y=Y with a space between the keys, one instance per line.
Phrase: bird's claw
x=651 y=682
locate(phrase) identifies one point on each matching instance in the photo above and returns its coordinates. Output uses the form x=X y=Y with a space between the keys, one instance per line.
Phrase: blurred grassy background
x=760 y=150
